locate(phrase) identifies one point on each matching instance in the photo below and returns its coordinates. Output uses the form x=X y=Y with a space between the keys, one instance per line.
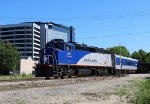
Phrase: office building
x=24 y=36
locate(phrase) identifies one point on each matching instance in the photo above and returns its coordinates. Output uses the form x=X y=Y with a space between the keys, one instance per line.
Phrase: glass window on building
x=35 y=41
x=19 y=45
x=52 y=34
x=36 y=37
x=28 y=45
x=7 y=29
x=18 y=28
x=36 y=50
x=37 y=29
x=19 y=41
x=28 y=49
x=7 y=33
x=29 y=54
x=20 y=36
x=36 y=33
x=36 y=46
x=7 y=37
x=28 y=27
x=19 y=32
x=28 y=36
x=28 y=32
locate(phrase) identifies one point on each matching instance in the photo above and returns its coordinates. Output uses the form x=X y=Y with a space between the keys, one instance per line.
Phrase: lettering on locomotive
x=90 y=60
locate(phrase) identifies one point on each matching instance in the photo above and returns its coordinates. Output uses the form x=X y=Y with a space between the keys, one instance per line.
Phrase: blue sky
x=101 y=23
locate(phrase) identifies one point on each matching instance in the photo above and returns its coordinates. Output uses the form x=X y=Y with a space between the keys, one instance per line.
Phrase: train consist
x=61 y=58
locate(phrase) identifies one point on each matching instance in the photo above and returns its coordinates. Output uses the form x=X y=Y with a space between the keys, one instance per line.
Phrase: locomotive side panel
x=94 y=59
x=65 y=57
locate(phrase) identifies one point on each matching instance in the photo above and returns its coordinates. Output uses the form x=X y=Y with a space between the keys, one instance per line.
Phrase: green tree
x=9 y=56
x=119 y=50
x=141 y=55
x=148 y=57
x=136 y=55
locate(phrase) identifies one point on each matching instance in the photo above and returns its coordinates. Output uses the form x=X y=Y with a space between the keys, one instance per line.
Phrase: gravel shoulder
x=67 y=91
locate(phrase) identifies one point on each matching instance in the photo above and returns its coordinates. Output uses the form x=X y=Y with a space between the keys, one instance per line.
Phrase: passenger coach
x=125 y=63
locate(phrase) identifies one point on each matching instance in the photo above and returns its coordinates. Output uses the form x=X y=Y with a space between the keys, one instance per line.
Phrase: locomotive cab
x=56 y=52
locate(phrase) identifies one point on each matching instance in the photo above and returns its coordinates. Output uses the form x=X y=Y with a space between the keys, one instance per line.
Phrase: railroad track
x=52 y=78
x=41 y=82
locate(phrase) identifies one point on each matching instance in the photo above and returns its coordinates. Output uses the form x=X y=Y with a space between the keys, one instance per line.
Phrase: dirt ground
x=94 y=90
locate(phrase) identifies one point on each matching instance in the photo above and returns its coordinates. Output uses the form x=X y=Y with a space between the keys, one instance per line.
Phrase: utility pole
x=120 y=62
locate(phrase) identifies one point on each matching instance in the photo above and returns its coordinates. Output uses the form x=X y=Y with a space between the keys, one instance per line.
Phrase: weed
x=143 y=94
x=121 y=92
x=14 y=77
x=67 y=102
x=21 y=102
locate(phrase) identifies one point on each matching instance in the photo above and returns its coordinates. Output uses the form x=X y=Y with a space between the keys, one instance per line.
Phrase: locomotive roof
x=90 y=48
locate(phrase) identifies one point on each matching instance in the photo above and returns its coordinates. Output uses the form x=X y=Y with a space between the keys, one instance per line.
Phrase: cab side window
x=68 y=47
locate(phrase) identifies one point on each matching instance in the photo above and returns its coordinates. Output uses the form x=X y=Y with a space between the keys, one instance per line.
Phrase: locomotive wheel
x=61 y=76
x=98 y=73
x=76 y=72
x=47 y=78
x=56 y=77
x=69 y=75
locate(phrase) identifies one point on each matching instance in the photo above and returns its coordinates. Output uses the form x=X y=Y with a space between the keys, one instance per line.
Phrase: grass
x=21 y=102
x=137 y=92
x=66 y=102
x=15 y=77
x=143 y=94
x=121 y=92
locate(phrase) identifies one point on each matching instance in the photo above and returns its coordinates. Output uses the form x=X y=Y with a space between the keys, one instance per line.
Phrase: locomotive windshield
x=59 y=46
x=67 y=47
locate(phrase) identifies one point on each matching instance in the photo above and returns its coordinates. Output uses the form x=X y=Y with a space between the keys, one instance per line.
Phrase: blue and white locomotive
x=60 y=58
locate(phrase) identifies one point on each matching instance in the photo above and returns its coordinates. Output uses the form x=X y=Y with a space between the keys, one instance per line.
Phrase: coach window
x=128 y=63
x=132 y=63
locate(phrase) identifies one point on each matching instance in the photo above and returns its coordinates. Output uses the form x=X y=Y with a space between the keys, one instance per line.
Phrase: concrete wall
x=26 y=66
